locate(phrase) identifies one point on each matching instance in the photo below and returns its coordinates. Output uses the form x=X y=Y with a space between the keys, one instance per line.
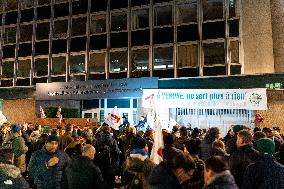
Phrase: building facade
x=60 y=40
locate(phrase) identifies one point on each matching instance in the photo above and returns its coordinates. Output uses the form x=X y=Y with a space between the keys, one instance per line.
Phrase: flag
x=3 y=118
x=157 y=150
x=59 y=115
x=42 y=114
x=114 y=119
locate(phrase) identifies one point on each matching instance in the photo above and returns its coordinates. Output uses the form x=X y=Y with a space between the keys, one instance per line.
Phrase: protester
x=47 y=166
x=206 y=144
x=265 y=173
x=217 y=174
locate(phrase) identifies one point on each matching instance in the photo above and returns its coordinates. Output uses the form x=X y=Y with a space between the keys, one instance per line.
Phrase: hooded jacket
x=11 y=178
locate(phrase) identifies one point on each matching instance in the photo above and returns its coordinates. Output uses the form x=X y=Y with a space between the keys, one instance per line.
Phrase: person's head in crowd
x=37 y=127
x=46 y=130
x=140 y=133
x=105 y=129
x=75 y=128
x=175 y=128
x=149 y=134
x=256 y=129
x=89 y=151
x=168 y=139
x=265 y=146
x=68 y=128
x=193 y=146
x=124 y=118
x=214 y=165
x=214 y=132
x=132 y=130
x=6 y=156
x=268 y=131
x=16 y=128
x=218 y=144
x=183 y=131
x=51 y=144
x=237 y=128
x=244 y=138
x=5 y=128
x=258 y=135
x=139 y=143
x=195 y=133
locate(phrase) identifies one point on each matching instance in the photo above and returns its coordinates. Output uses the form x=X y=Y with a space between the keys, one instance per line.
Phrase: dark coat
x=223 y=180
x=82 y=173
x=239 y=161
x=206 y=146
x=264 y=174
x=162 y=177
x=137 y=166
x=48 y=177
x=11 y=178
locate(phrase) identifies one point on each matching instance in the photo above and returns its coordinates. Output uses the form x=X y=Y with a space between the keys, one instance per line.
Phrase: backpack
x=104 y=155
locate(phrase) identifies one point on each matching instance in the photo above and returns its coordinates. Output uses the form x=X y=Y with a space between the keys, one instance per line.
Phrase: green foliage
x=51 y=112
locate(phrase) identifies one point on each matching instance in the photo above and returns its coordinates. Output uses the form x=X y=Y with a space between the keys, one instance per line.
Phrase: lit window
x=118 y=61
x=163 y=57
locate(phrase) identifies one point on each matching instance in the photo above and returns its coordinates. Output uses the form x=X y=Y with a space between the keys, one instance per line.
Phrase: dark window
x=78 y=44
x=60 y=28
x=25 y=49
x=119 y=21
x=61 y=10
x=26 y=32
x=41 y=48
x=213 y=30
x=7 y=69
x=43 y=2
x=140 y=18
x=214 y=71
x=118 y=75
x=234 y=28
x=11 y=5
x=234 y=51
x=79 y=7
x=59 y=65
x=188 y=72
x=139 y=2
x=89 y=104
x=59 y=46
x=214 y=53
x=6 y=83
x=9 y=35
x=9 y=51
x=97 y=62
x=117 y=4
x=97 y=76
x=164 y=73
x=120 y=103
x=118 y=39
x=140 y=63
x=140 y=37
x=39 y=80
x=42 y=31
x=163 y=35
x=11 y=18
x=23 y=82
x=236 y=69
x=41 y=67
x=186 y=12
x=163 y=15
x=24 y=68
x=212 y=9
x=163 y=58
x=187 y=33
x=233 y=5
x=98 y=42
x=187 y=55
x=98 y=24
x=43 y=12
x=79 y=26
x=58 y=79
x=98 y=5
x=27 y=15
x=161 y=1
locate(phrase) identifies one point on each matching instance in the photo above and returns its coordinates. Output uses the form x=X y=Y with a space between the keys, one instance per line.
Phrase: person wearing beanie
x=19 y=147
x=47 y=165
x=265 y=173
x=137 y=167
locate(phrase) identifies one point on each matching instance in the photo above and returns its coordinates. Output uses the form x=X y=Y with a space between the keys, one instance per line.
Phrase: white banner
x=250 y=99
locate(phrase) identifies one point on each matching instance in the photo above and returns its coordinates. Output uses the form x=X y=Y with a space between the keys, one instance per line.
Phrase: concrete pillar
x=277 y=19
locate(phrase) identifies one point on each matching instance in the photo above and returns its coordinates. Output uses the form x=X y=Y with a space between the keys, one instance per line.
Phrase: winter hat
x=265 y=146
x=138 y=142
x=52 y=138
x=15 y=128
x=237 y=128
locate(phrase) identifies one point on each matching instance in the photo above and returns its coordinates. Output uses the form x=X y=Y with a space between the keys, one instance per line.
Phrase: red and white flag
x=59 y=115
x=42 y=114
x=114 y=119
x=157 y=150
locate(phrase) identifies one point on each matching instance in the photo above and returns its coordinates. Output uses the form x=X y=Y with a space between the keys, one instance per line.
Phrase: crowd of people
x=91 y=157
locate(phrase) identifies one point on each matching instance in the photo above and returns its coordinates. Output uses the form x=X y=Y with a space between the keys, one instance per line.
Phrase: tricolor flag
x=114 y=119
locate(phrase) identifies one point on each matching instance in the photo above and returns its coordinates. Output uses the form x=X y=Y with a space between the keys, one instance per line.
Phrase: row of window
x=214 y=55
x=186 y=11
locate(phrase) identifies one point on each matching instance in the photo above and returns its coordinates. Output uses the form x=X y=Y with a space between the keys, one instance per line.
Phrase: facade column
x=277 y=19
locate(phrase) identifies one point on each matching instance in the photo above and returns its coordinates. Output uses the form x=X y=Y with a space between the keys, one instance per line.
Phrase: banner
x=114 y=119
x=249 y=99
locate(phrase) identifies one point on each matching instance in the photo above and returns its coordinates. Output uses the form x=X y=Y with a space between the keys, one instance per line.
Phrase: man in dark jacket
x=245 y=155
x=10 y=175
x=217 y=175
x=82 y=173
x=47 y=166
x=265 y=173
